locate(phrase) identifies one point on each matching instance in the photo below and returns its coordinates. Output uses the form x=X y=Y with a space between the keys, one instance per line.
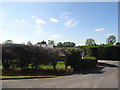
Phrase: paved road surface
x=107 y=77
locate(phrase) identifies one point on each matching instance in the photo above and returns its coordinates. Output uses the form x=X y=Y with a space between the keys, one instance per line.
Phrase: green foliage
x=105 y=52
x=73 y=57
x=90 y=42
x=59 y=44
x=29 y=43
x=88 y=62
x=68 y=44
x=88 y=57
x=43 y=42
x=25 y=56
x=8 y=42
x=51 y=42
x=111 y=39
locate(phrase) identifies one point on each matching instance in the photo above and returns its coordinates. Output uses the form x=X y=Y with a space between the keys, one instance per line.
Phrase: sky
x=59 y=21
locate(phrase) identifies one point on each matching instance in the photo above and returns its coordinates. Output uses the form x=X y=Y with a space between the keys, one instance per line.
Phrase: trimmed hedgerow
x=87 y=62
x=108 y=52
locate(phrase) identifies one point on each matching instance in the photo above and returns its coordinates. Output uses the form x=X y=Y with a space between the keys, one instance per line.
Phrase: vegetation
x=90 y=42
x=64 y=55
x=88 y=57
x=73 y=57
x=29 y=43
x=111 y=39
x=66 y=44
x=8 y=42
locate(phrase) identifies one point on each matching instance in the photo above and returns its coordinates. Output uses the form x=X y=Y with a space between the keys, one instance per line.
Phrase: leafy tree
x=59 y=44
x=39 y=43
x=43 y=42
x=29 y=43
x=68 y=44
x=8 y=42
x=51 y=42
x=90 y=42
x=111 y=40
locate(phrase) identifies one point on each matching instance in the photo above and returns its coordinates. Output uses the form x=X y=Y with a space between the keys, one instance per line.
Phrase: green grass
x=59 y=65
x=1 y=67
x=88 y=57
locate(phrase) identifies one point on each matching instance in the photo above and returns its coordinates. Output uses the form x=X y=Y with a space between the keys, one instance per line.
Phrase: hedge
x=87 y=62
x=24 y=55
x=103 y=52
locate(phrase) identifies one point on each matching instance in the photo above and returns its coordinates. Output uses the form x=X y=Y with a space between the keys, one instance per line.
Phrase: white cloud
x=37 y=27
x=65 y=13
x=39 y=21
x=101 y=29
x=17 y=20
x=55 y=36
x=39 y=31
x=66 y=17
x=71 y=23
x=3 y=13
x=30 y=26
x=20 y=20
x=33 y=16
x=53 y=20
x=4 y=31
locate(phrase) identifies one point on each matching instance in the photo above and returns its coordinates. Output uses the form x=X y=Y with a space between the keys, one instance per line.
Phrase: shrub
x=23 y=56
x=87 y=62
x=73 y=57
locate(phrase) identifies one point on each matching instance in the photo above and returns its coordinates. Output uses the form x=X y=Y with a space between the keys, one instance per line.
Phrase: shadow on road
x=97 y=70
x=107 y=65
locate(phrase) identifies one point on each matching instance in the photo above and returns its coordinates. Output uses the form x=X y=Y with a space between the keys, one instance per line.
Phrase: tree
x=51 y=42
x=68 y=44
x=43 y=42
x=38 y=43
x=8 y=42
x=111 y=39
x=90 y=42
x=59 y=44
x=29 y=43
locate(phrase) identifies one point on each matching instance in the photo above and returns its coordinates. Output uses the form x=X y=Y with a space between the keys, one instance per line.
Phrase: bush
x=87 y=62
x=24 y=55
x=73 y=57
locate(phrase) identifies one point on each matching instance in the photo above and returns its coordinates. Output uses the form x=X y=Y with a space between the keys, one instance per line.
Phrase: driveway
x=106 y=76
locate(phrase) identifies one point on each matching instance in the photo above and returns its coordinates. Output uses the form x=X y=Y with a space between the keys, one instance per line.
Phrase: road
x=104 y=77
